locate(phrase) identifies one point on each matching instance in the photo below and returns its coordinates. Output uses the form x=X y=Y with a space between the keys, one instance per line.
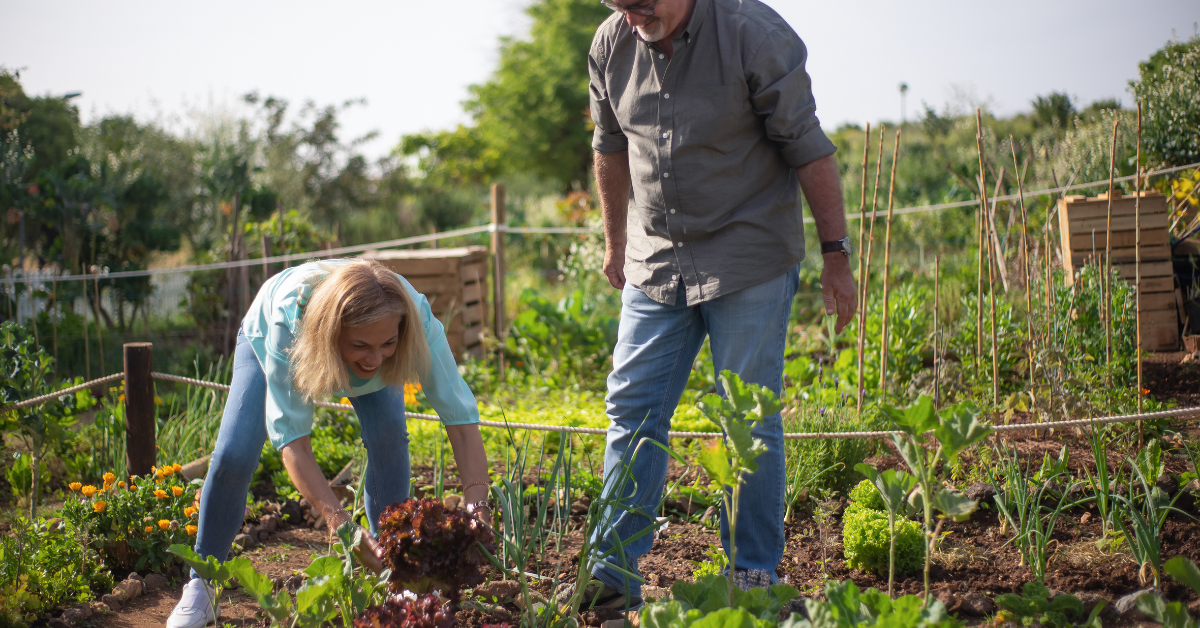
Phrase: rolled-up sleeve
x=444 y=387
x=781 y=93
x=607 y=137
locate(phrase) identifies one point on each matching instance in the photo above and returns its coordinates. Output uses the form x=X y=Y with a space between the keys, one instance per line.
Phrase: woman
x=342 y=327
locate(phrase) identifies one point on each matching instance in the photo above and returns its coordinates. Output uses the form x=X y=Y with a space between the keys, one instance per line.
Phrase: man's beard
x=654 y=32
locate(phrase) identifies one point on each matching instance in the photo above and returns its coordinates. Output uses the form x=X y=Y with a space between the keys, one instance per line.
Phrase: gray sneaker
x=600 y=595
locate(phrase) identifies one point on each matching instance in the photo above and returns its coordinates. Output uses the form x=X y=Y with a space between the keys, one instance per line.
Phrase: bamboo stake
x=865 y=287
x=87 y=345
x=862 y=274
x=54 y=319
x=993 y=253
x=982 y=226
x=1106 y=283
x=1024 y=258
x=1137 y=244
x=887 y=269
x=937 y=382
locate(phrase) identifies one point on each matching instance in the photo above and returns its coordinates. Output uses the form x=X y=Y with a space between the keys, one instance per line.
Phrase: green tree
x=531 y=115
x=1169 y=90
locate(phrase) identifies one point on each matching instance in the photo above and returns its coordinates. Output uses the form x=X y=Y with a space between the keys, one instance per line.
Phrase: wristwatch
x=842 y=245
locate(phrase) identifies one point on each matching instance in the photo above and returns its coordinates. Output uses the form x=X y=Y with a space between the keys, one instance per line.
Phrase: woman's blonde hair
x=356 y=294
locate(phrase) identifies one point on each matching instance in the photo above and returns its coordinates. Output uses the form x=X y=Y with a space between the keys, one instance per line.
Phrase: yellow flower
x=158 y=480
x=344 y=401
x=161 y=494
x=132 y=487
x=410 y=392
x=191 y=530
x=178 y=467
x=74 y=486
x=99 y=506
x=158 y=401
x=149 y=529
x=88 y=490
x=121 y=484
x=109 y=478
x=163 y=524
x=177 y=490
x=121 y=398
x=189 y=511
x=168 y=470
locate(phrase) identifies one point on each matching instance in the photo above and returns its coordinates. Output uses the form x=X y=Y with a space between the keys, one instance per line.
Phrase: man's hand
x=838 y=289
x=614 y=264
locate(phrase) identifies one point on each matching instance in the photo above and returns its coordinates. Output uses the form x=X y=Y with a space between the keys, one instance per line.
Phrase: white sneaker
x=195 y=607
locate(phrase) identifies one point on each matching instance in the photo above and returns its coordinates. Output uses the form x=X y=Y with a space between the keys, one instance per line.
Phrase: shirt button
x=679 y=244
x=666 y=95
x=672 y=210
x=666 y=175
x=661 y=56
x=674 y=277
x=665 y=135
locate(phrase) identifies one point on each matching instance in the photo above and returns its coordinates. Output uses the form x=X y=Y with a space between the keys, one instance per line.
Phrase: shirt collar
x=698 y=13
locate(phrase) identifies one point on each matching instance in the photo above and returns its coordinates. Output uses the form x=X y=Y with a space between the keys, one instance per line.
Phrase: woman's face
x=364 y=349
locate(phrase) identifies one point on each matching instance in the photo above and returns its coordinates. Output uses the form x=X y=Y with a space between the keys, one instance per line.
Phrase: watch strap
x=836 y=246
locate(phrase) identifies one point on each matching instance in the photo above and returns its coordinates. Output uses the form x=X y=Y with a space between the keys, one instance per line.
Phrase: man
x=705 y=130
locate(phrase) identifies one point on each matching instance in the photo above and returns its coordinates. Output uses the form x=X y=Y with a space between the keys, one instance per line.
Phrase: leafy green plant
x=28 y=372
x=1035 y=607
x=865 y=495
x=1101 y=481
x=893 y=488
x=956 y=429
x=715 y=565
x=1021 y=498
x=1147 y=514
x=873 y=543
x=743 y=406
x=428 y=547
x=44 y=565
x=708 y=602
x=1173 y=614
x=845 y=606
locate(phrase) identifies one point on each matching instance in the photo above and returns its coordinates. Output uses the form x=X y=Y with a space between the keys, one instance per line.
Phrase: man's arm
x=823 y=190
x=613 y=181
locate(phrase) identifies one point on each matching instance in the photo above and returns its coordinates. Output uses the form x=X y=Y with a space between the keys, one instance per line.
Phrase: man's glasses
x=644 y=11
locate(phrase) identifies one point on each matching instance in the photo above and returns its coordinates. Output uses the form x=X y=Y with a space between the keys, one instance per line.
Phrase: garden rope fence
x=570 y=429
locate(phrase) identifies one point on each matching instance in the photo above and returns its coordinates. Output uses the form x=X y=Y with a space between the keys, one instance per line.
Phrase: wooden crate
x=1083 y=223
x=456 y=283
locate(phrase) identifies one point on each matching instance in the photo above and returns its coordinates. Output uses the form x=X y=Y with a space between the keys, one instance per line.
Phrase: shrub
x=132 y=525
x=866 y=541
x=865 y=495
x=428 y=547
x=424 y=611
x=43 y=566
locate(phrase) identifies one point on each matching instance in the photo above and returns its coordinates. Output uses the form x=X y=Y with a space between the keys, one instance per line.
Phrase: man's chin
x=654 y=33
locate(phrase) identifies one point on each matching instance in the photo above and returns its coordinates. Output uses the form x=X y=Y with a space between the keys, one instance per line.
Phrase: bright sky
x=412 y=61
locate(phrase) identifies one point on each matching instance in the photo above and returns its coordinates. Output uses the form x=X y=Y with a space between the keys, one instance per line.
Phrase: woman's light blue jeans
x=244 y=431
x=656 y=345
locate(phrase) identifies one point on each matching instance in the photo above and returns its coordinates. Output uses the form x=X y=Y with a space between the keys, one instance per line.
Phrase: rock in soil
x=291 y=512
x=976 y=605
x=981 y=492
x=1126 y=607
x=270 y=523
x=796 y=606
x=113 y=602
x=243 y=541
x=500 y=589
x=58 y=622
x=1090 y=600
x=156 y=581
x=599 y=616
x=579 y=508
x=711 y=513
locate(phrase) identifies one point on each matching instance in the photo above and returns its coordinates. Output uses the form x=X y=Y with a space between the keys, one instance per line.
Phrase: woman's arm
x=301 y=465
x=472 y=462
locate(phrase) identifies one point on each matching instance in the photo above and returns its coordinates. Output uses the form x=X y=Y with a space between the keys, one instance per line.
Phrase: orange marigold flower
x=178 y=467
x=99 y=506
x=109 y=478
x=121 y=484
x=161 y=494
x=132 y=487
x=191 y=530
x=158 y=480
x=189 y=511
x=149 y=529
x=163 y=524
x=177 y=490
x=74 y=486
x=88 y=490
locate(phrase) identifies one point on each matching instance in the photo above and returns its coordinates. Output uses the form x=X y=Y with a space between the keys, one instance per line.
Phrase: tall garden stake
x=937 y=381
x=1137 y=263
x=866 y=274
x=99 y=331
x=993 y=262
x=984 y=239
x=1105 y=283
x=1024 y=258
x=887 y=269
x=862 y=270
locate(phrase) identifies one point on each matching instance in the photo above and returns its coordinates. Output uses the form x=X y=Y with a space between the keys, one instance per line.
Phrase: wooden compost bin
x=1083 y=222
x=455 y=281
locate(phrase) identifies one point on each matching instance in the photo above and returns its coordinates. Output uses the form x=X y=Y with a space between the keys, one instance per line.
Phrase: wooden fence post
x=140 y=446
x=498 y=223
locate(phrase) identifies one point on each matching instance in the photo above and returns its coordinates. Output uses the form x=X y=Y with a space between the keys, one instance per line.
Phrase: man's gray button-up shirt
x=714 y=132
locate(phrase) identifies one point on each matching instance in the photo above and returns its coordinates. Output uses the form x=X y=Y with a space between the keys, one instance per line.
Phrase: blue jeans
x=656 y=345
x=244 y=432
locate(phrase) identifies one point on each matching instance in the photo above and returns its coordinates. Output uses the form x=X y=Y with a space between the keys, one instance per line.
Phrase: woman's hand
x=471 y=459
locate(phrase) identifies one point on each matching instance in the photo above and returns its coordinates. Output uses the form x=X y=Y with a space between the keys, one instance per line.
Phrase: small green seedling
x=894 y=488
x=1035 y=607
